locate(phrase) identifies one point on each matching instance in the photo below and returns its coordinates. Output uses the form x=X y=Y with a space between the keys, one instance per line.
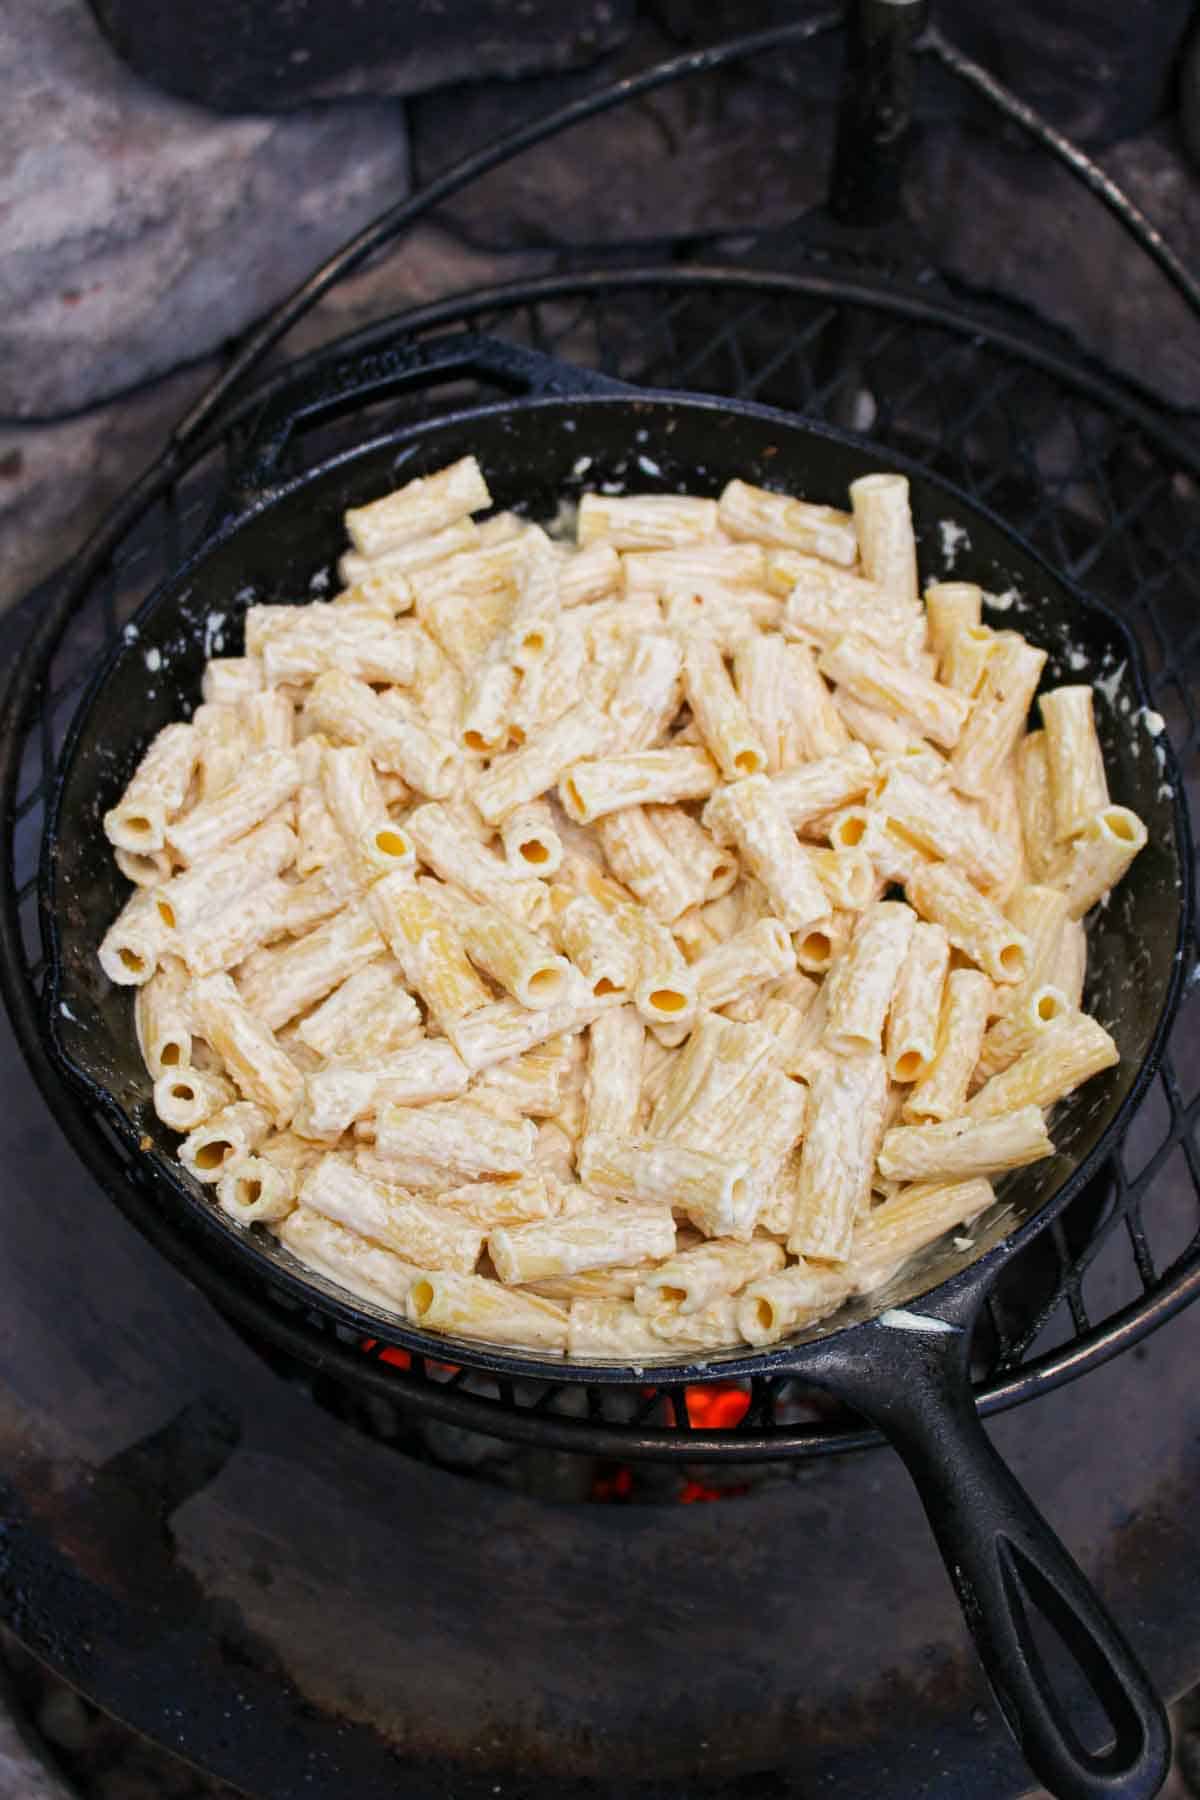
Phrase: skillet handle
x=1007 y=1566
x=331 y=385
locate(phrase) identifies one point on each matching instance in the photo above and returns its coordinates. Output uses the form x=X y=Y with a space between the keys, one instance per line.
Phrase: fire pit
x=192 y=1537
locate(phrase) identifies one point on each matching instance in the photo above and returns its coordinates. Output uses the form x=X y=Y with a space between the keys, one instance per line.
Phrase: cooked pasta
x=619 y=947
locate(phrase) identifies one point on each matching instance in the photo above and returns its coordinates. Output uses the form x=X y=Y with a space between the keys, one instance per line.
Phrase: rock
x=428 y=264
x=57 y=481
x=812 y=69
x=1006 y=220
x=23 y=1773
x=720 y=153
x=1098 y=72
x=283 y=53
x=140 y=233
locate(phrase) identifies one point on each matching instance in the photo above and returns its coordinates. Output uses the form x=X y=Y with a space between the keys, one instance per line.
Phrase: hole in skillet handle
x=1059 y=1666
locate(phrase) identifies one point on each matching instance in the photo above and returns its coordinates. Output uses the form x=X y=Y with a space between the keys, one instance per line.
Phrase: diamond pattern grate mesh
x=1094 y=480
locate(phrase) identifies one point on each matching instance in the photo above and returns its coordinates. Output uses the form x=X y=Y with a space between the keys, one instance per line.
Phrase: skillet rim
x=243 y=1251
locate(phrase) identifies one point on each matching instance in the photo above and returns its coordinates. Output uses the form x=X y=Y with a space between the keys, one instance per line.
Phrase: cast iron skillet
x=901 y=1358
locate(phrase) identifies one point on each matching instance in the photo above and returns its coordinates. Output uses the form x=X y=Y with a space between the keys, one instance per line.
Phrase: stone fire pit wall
x=168 y=173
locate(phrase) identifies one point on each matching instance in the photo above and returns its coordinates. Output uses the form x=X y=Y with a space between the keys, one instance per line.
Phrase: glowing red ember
x=717 y=1408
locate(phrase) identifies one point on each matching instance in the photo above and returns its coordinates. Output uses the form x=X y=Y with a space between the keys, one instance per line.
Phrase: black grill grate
x=1104 y=485
x=1108 y=491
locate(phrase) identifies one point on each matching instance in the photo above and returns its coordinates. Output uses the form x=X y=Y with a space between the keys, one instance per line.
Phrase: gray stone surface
x=21 y=1778
x=1006 y=220
x=24 y=1774
x=57 y=480
x=283 y=53
x=428 y=264
x=721 y=153
x=1098 y=72
x=137 y=232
